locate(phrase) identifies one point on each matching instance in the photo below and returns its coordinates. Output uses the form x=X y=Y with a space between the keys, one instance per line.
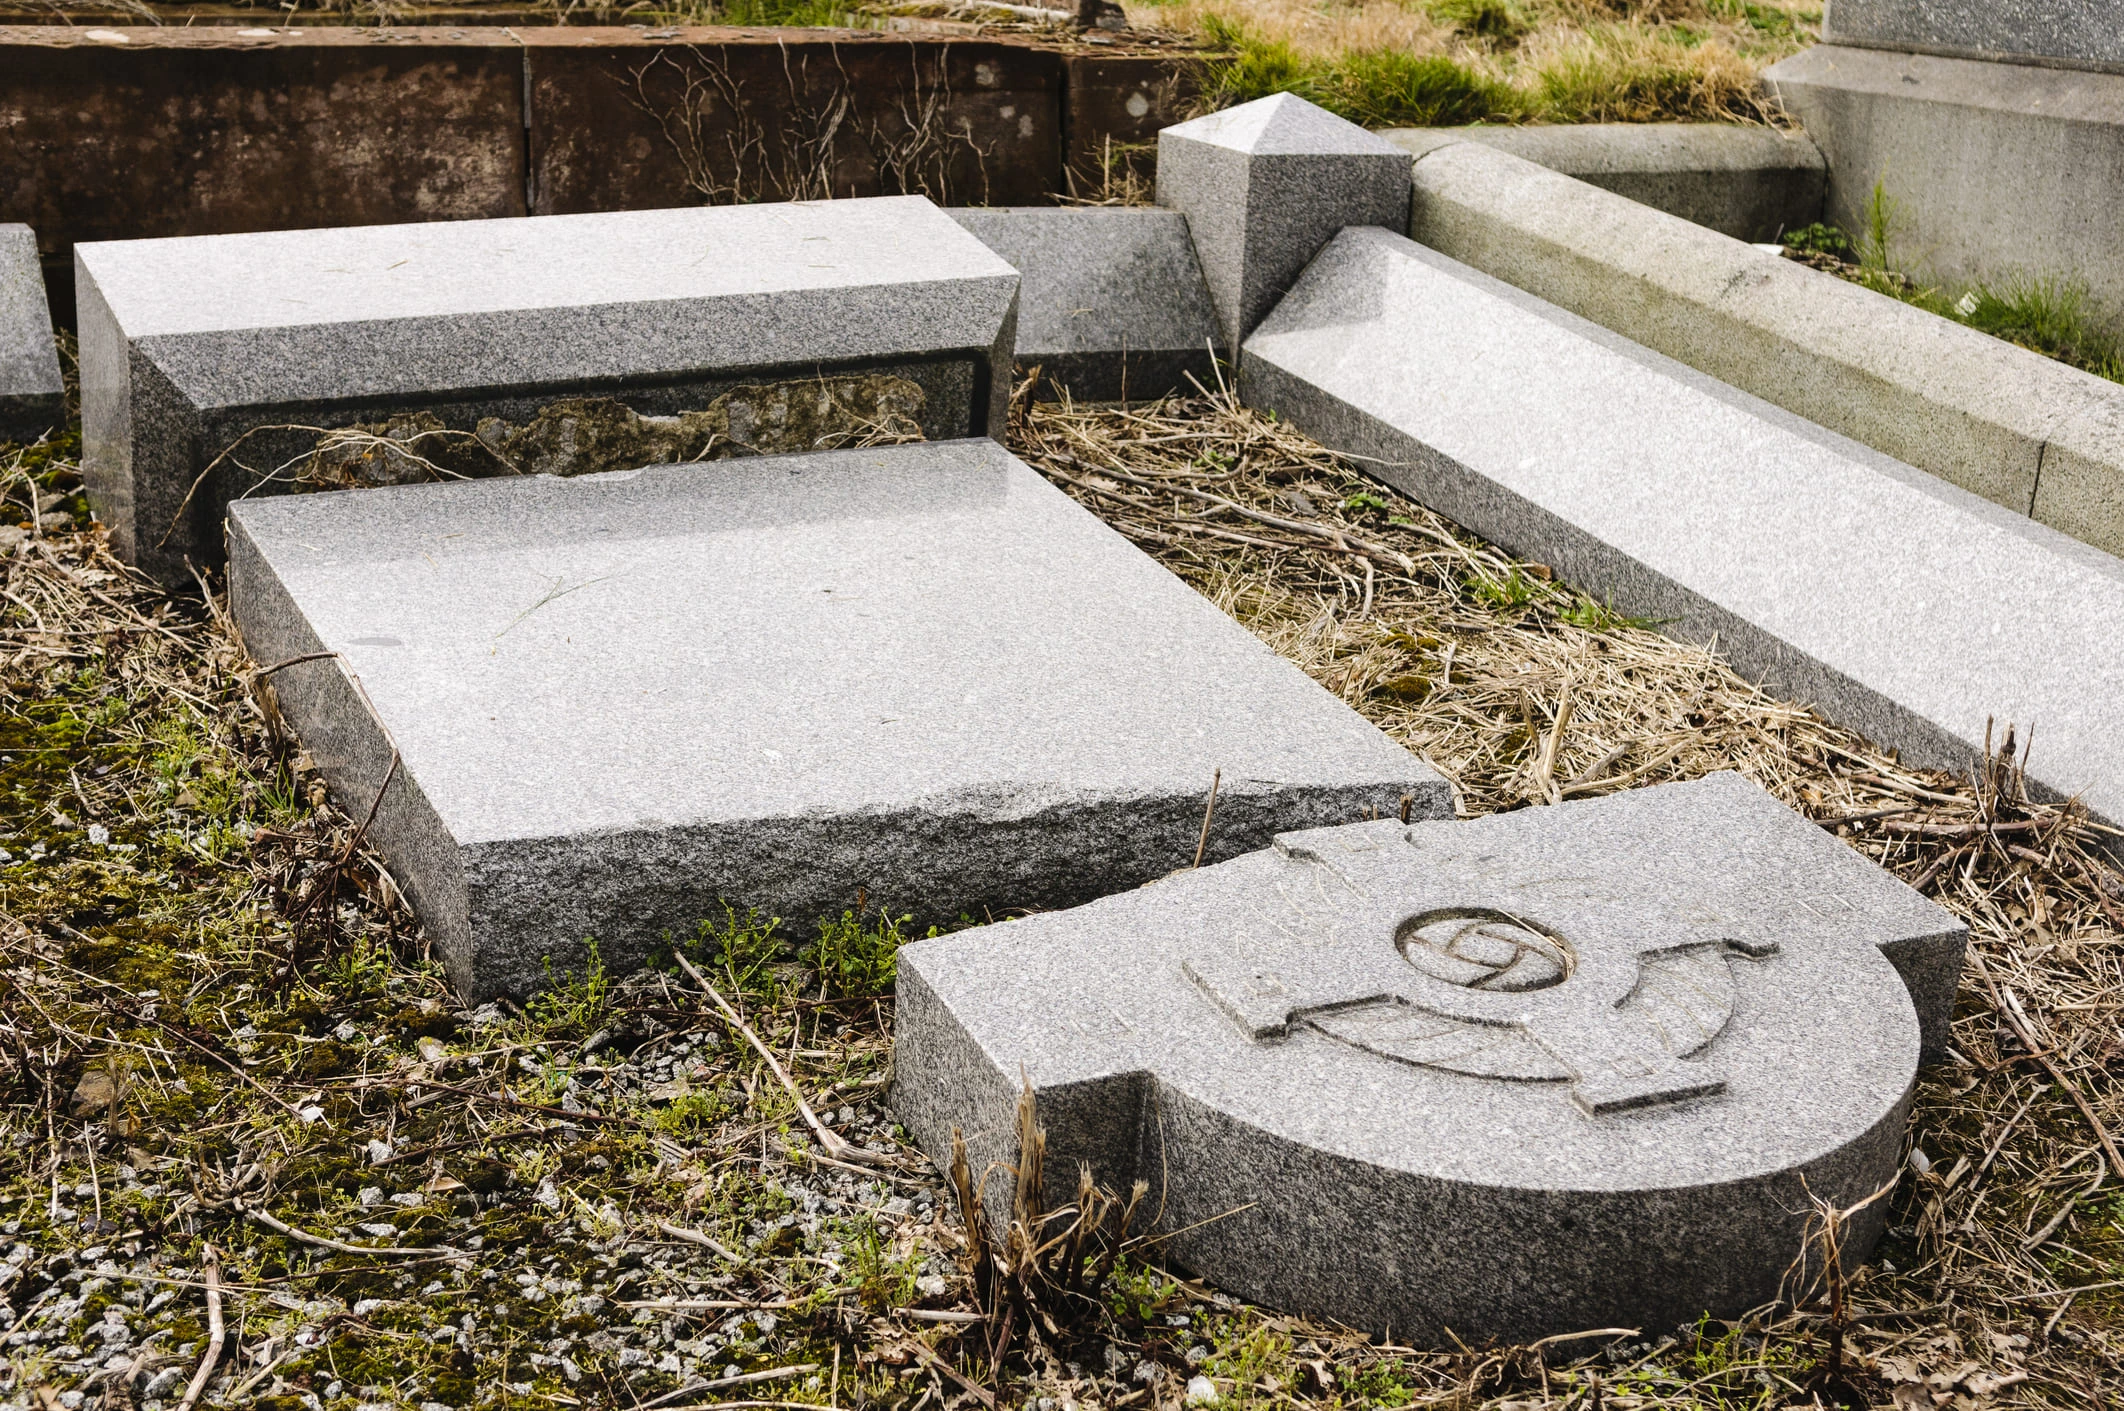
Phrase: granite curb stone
x=1752 y=183
x=192 y=346
x=1264 y=186
x=1523 y=1075
x=1897 y=604
x=1112 y=306
x=1950 y=400
x=917 y=674
x=32 y=391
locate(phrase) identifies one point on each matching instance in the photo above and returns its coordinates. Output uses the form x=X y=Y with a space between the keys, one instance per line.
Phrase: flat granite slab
x=1901 y=606
x=1113 y=306
x=2071 y=33
x=203 y=359
x=1551 y=1070
x=32 y=392
x=920 y=674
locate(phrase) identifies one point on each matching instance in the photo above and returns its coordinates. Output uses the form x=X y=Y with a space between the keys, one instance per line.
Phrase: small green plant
x=1876 y=251
x=1602 y=617
x=2048 y=315
x=1820 y=238
x=1515 y=590
x=571 y=1003
x=1365 y=500
x=855 y=958
x=743 y=950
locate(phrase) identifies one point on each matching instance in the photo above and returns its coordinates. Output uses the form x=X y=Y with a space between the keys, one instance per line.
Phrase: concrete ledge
x=2019 y=429
x=1994 y=168
x=1752 y=183
x=1895 y=603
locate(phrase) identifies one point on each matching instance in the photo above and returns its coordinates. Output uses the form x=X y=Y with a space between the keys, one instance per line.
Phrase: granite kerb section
x=1899 y=605
x=2021 y=430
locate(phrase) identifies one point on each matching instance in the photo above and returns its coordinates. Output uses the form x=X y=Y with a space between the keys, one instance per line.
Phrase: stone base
x=918 y=676
x=1994 y=169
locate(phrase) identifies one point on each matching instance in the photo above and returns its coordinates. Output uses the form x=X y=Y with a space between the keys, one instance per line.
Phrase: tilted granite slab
x=1897 y=604
x=32 y=392
x=191 y=347
x=918 y=675
x=2071 y=33
x=1113 y=306
x=1263 y=186
x=1544 y=1071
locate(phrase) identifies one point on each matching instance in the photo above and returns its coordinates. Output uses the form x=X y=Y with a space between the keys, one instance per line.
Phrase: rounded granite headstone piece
x=1564 y=1068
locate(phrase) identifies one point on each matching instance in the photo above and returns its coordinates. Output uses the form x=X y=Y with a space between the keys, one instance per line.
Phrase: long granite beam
x=209 y=363
x=1899 y=605
x=921 y=676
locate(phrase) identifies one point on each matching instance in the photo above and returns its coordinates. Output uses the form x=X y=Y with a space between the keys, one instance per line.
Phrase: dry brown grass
x=1500 y=60
x=1525 y=693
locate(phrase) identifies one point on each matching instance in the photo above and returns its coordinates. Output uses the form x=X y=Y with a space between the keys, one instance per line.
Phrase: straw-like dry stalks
x=1040 y=1275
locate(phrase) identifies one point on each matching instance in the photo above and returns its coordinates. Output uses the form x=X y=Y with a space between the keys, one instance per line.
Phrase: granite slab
x=1264 y=185
x=1557 y=1069
x=2067 y=33
x=917 y=675
x=1898 y=604
x=1113 y=306
x=32 y=392
x=193 y=348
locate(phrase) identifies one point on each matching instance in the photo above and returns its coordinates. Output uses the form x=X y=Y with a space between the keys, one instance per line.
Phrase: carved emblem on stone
x=1569 y=1067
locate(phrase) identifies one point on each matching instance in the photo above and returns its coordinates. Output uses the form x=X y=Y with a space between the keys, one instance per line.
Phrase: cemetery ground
x=257 y=1153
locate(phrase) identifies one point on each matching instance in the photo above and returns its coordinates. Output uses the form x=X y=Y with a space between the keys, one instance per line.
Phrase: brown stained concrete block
x=1115 y=106
x=200 y=132
x=623 y=120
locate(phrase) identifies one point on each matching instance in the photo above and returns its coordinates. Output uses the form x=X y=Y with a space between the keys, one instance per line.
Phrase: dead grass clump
x=1387 y=65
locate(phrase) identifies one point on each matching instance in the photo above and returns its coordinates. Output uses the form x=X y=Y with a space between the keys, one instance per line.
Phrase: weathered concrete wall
x=1993 y=169
x=171 y=131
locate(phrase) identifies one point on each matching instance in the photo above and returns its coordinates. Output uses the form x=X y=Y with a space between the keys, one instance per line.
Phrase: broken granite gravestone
x=603 y=706
x=32 y=393
x=1570 y=1067
x=211 y=365
x=1113 y=305
x=1264 y=186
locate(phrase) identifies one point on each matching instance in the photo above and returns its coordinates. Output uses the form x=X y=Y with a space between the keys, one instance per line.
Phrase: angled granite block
x=1112 y=305
x=1557 y=1069
x=192 y=348
x=921 y=675
x=32 y=393
x=1900 y=605
x=1264 y=186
